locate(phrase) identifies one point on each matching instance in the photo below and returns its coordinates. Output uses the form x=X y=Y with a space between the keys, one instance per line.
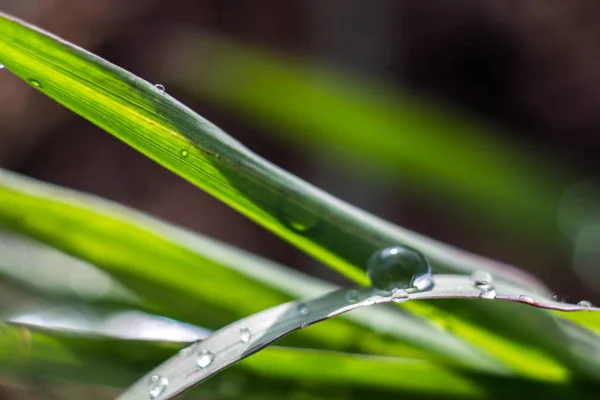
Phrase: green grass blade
x=370 y=126
x=170 y=133
x=191 y=278
x=275 y=373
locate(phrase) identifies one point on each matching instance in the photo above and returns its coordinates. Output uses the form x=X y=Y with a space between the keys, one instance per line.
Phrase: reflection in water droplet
x=353 y=296
x=245 y=334
x=205 y=358
x=158 y=384
x=584 y=303
x=399 y=268
x=526 y=299
x=303 y=309
x=184 y=153
x=481 y=279
x=34 y=83
x=160 y=88
x=489 y=294
x=399 y=295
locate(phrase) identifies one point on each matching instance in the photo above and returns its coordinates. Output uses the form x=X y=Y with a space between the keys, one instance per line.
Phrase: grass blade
x=170 y=133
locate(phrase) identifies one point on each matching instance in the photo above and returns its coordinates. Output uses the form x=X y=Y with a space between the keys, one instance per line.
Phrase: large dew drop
x=399 y=267
x=158 y=384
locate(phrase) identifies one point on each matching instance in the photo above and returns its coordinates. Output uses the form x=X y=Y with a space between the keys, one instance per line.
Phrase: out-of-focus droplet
x=584 y=303
x=488 y=294
x=184 y=153
x=526 y=299
x=245 y=334
x=481 y=279
x=158 y=384
x=399 y=295
x=303 y=309
x=205 y=358
x=35 y=83
x=353 y=296
x=399 y=267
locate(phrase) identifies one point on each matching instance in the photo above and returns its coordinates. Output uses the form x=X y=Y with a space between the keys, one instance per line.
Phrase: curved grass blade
x=102 y=360
x=170 y=133
x=243 y=338
x=139 y=250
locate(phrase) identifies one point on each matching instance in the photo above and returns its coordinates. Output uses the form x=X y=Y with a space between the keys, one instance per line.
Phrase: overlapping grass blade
x=273 y=373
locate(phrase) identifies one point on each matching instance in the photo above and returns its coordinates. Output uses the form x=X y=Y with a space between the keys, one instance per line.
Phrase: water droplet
x=303 y=309
x=34 y=83
x=303 y=325
x=184 y=153
x=160 y=88
x=205 y=358
x=481 y=279
x=295 y=216
x=1 y=66
x=158 y=384
x=245 y=334
x=584 y=303
x=488 y=294
x=353 y=296
x=526 y=299
x=399 y=268
x=399 y=295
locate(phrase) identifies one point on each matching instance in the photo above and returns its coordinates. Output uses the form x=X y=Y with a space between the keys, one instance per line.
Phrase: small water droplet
x=1 y=66
x=158 y=384
x=481 y=279
x=303 y=325
x=303 y=309
x=488 y=294
x=399 y=295
x=205 y=358
x=526 y=299
x=245 y=334
x=584 y=303
x=353 y=296
x=34 y=83
x=184 y=153
x=160 y=88
x=399 y=267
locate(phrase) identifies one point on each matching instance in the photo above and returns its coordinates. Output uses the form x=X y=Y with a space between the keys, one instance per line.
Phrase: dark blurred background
x=525 y=73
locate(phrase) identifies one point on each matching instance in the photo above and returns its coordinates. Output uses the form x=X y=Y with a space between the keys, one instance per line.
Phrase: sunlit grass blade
x=370 y=125
x=273 y=373
x=170 y=133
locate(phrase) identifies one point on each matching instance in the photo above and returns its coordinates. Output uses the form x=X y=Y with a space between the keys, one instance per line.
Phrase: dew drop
x=303 y=309
x=489 y=294
x=353 y=296
x=245 y=334
x=158 y=384
x=481 y=279
x=584 y=303
x=399 y=267
x=205 y=358
x=303 y=325
x=526 y=299
x=184 y=153
x=160 y=88
x=399 y=295
x=1 y=66
x=34 y=83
